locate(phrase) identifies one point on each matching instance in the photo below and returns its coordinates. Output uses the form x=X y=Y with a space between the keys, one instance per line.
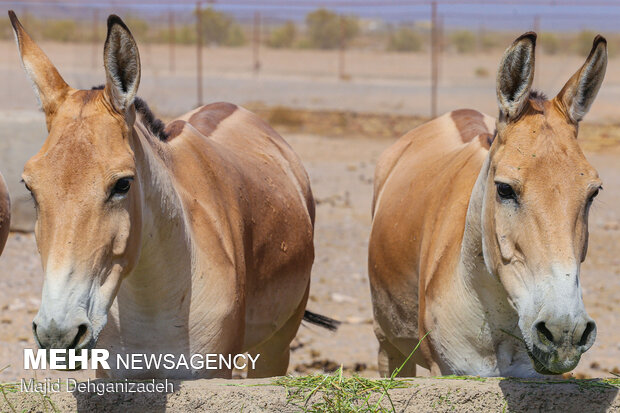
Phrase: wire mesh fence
x=404 y=56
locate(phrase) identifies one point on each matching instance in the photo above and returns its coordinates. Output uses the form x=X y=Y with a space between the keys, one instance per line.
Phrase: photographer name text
x=48 y=386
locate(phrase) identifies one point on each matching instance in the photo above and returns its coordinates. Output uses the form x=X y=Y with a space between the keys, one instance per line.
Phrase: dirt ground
x=341 y=171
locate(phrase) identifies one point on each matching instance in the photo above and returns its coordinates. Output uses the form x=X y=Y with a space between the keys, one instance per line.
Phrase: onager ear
x=48 y=85
x=515 y=76
x=580 y=91
x=122 y=65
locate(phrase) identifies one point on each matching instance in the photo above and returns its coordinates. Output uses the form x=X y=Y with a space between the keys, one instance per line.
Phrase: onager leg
x=391 y=358
x=275 y=351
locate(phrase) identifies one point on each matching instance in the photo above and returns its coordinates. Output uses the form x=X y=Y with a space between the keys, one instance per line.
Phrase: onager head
x=539 y=190
x=86 y=192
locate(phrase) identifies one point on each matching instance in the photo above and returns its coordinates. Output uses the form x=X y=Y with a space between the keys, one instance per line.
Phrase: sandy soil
x=341 y=171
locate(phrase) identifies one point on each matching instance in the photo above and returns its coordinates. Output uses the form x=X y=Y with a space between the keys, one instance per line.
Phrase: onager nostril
x=82 y=329
x=590 y=327
x=544 y=334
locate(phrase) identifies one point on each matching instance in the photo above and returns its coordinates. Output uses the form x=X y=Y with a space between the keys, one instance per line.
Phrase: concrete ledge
x=424 y=395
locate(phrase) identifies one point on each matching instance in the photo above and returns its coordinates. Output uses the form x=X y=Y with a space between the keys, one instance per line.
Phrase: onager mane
x=538 y=96
x=155 y=125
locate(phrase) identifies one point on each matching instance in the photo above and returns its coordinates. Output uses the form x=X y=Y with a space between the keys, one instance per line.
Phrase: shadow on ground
x=592 y=396
x=102 y=396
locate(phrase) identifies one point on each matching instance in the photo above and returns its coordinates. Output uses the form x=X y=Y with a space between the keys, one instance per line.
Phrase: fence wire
x=289 y=52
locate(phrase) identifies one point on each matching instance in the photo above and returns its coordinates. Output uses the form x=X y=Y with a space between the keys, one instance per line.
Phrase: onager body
x=190 y=240
x=479 y=229
x=5 y=213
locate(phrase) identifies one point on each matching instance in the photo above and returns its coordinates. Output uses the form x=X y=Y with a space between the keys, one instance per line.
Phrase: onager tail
x=321 y=320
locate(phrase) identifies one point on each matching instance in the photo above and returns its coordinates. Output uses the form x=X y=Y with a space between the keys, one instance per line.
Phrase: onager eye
x=122 y=186
x=26 y=185
x=30 y=191
x=505 y=191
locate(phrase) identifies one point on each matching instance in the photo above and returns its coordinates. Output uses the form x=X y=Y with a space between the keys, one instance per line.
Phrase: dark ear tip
x=597 y=40
x=114 y=20
x=13 y=18
x=531 y=36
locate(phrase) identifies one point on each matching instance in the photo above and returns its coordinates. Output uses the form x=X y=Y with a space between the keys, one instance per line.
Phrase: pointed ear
x=515 y=76
x=580 y=91
x=122 y=65
x=48 y=85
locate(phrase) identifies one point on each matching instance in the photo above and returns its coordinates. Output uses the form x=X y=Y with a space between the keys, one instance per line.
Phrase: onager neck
x=472 y=260
x=490 y=313
x=153 y=300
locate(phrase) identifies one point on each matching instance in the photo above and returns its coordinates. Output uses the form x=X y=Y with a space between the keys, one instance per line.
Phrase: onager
x=190 y=239
x=5 y=213
x=479 y=230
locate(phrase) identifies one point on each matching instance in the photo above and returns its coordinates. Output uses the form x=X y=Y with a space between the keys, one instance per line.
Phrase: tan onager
x=480 y=228
x=193 y=239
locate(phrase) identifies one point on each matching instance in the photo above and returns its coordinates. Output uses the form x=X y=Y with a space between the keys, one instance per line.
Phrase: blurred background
x=414 y=57
x=340 y=80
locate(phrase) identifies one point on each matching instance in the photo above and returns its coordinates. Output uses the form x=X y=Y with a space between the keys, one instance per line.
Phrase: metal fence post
x=199 y=52
x=171 y=40
x=256 y=42
x=434 y=58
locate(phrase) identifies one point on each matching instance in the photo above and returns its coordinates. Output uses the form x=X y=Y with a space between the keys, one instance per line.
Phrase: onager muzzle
x=559 y=342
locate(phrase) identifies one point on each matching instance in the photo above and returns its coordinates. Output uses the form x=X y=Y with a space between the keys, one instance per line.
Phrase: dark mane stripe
x=537 y=95
x=153 y=124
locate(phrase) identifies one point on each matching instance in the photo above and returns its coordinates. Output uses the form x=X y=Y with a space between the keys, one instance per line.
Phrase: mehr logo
x=58 y=359
x=61 y=359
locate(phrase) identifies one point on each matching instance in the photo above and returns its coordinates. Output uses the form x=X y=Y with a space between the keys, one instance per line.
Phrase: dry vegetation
x=337 y=123
x=593 y=137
